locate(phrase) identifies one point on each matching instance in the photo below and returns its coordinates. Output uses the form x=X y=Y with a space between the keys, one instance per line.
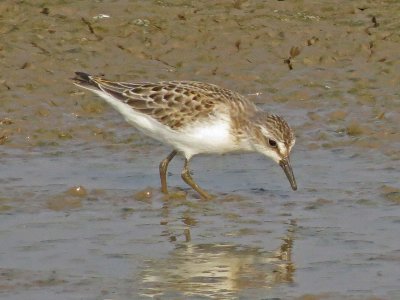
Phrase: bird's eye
x=272 y=143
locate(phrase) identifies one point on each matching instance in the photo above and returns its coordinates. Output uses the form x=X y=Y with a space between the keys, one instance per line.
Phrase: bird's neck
x=242 y=130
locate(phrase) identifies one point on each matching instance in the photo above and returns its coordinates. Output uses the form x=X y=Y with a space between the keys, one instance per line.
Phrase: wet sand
x=81 y=213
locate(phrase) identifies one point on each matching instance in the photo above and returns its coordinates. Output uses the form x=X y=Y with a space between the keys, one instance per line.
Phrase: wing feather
x=175 y=103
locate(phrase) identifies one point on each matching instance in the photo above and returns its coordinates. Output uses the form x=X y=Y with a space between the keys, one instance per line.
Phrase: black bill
x=285 y=165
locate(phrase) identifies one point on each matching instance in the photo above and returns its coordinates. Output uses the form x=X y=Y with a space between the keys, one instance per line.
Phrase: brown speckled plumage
x=176 y=103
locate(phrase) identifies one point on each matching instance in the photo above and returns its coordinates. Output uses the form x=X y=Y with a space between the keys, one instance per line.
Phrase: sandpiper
x=194 y=118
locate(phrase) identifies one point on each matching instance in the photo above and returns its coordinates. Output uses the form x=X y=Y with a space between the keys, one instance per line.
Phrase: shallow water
x=81 y=213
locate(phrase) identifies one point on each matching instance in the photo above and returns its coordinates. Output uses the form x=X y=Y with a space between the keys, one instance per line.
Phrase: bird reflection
x=218 y=271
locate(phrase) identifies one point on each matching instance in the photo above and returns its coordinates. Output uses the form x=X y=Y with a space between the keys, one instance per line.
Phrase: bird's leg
x=189 y=180
x=163 y=171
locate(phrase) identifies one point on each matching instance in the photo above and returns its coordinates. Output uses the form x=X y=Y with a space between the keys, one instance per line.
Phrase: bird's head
x=273 y=137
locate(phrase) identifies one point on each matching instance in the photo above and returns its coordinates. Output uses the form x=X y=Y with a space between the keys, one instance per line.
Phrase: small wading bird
x=194 y=118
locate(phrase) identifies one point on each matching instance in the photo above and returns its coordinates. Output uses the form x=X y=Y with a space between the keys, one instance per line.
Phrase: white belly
x=213 y=136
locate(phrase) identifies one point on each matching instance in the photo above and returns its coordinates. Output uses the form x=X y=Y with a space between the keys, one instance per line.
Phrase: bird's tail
x=85 y=80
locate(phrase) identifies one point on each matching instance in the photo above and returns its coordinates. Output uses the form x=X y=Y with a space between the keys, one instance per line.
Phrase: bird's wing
x=172 y=103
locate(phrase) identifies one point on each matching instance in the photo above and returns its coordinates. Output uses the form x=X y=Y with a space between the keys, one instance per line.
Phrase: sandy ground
x=81 y=213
